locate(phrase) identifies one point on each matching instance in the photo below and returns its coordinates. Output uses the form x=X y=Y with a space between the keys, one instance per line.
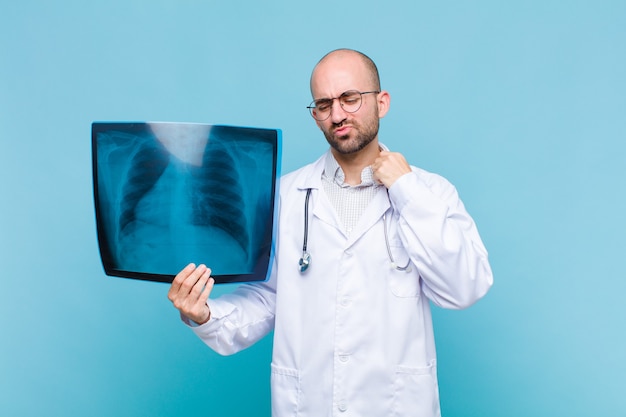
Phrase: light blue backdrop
x=522 y=105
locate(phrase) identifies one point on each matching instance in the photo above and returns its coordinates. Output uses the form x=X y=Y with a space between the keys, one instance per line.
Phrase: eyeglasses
x=350 y=102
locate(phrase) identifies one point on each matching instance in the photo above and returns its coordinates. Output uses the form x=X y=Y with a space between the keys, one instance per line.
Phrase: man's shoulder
x=428 y=176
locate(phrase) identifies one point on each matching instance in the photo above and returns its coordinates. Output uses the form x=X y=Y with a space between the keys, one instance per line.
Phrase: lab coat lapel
x=320 y=205
x=324 y=210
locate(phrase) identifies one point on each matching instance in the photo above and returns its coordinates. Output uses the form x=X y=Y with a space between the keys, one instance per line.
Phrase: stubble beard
x=363 y=136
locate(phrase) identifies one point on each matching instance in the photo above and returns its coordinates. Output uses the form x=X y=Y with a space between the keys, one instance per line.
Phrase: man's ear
x=384 y=100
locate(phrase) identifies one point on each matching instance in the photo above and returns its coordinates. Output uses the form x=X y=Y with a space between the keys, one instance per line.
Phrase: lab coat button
x=342 y=407
x=345 y=302
x=343 y=358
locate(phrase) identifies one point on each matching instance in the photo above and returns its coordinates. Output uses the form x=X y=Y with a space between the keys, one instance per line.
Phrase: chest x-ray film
x=167 y=194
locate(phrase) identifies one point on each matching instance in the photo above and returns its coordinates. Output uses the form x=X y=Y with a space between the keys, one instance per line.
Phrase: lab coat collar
x=313 y=178
x=322 y=208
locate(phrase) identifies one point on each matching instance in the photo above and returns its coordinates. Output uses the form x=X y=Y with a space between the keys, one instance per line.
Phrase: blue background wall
x=520 y=104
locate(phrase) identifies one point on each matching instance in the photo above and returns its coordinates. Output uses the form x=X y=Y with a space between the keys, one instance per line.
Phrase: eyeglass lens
x=350 y=102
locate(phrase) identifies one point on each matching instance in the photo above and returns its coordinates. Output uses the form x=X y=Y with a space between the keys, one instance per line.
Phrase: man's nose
x=337 y=113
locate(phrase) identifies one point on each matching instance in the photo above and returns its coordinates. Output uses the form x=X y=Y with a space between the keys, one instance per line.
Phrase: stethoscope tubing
x=305 y=260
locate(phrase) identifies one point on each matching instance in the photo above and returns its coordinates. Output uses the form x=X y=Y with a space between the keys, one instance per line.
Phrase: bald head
x=342 y=57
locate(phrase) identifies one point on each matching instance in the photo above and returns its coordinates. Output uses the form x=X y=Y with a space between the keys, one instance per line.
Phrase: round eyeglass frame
x=313 y=105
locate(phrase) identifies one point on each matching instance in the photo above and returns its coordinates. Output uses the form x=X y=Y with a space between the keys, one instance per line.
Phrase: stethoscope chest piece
x=304 y=262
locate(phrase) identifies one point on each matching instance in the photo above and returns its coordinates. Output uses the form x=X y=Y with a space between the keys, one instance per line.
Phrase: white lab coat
x=353 y=336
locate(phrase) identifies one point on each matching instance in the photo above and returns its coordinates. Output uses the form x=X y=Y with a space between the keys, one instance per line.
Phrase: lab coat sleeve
x=442 y=240
x=239 y=319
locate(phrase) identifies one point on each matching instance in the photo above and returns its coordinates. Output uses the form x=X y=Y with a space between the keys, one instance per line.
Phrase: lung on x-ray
x=167 y=194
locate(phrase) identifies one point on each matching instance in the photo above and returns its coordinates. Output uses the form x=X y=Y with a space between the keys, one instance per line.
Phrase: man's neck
x=354 y=163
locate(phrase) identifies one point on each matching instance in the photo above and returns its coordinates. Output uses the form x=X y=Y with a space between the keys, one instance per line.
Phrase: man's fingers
x=204 y=297
x=190 y=292
x=390 y=166
x=195 y=304
x=183 y=284
x=200 y=284
x=182 y=275
x=178 y=280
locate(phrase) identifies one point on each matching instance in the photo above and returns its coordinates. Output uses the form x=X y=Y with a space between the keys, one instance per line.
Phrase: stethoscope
x=305 y=260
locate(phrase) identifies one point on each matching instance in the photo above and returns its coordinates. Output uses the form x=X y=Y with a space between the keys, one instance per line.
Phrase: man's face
x=346 y=132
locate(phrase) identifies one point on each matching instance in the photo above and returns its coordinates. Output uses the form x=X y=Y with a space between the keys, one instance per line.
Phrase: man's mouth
x=342 y=130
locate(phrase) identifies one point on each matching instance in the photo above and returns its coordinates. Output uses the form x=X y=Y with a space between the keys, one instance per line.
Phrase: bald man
x=364 y=242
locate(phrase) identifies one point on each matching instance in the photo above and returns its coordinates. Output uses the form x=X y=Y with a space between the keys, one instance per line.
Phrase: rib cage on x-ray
x=215 y=194
x=218 y=194
x=146 y=167
x=163 y=201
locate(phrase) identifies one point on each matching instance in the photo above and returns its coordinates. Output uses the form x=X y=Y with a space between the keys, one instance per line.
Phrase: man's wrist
x=201 y=322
